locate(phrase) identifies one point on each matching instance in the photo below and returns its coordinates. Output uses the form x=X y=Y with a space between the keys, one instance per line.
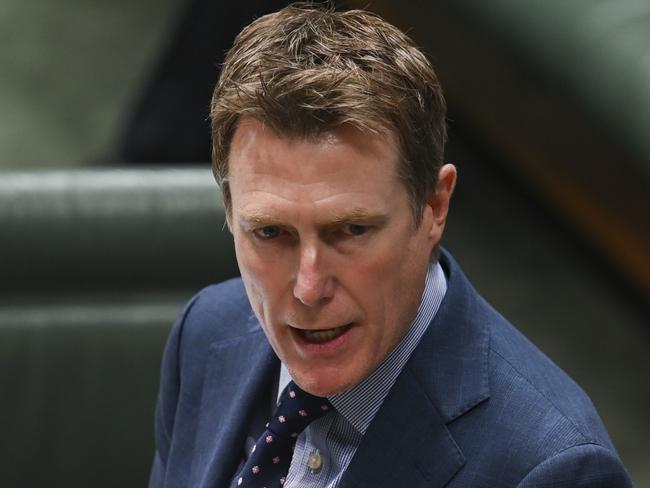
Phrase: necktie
x=270 y=458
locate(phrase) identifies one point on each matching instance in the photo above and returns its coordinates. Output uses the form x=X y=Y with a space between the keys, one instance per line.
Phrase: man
x=328 y=139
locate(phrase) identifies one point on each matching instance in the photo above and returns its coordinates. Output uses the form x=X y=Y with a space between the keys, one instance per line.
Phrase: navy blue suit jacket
x=477 y=404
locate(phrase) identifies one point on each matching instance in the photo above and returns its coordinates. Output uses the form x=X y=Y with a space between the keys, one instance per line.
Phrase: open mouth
x=322 y=335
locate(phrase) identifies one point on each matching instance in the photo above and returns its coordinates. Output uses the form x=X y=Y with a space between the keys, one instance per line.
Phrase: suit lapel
x=239 y=379
x=408 y=443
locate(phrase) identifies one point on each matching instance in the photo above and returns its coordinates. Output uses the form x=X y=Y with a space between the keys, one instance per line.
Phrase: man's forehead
x=346 y=174
x=258 y=151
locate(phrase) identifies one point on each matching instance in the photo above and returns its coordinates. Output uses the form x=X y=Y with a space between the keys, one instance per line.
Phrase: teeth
x=323 y=335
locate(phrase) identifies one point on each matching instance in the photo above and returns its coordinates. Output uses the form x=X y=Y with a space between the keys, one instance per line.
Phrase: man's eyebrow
x=257 y=217
x=358 y=215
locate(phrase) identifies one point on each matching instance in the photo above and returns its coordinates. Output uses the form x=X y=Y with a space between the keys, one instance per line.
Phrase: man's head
x=306 y=70
x=328 y=136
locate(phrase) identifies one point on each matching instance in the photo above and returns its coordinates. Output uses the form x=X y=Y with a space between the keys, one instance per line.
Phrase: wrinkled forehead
x=259 y=151
x=340 y=176
x=248 y=130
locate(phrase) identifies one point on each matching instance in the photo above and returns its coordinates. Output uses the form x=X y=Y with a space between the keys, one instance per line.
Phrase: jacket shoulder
x=535 y=421
x=519 y=369
x=541 y=420
x=218 y=312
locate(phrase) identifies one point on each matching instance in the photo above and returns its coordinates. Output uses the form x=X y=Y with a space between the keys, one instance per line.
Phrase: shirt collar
x=360 y=404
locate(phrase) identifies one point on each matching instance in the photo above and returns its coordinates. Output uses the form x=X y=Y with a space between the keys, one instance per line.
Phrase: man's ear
x=440 y=198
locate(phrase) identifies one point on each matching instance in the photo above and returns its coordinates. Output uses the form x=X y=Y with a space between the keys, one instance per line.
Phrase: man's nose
x=314 y=282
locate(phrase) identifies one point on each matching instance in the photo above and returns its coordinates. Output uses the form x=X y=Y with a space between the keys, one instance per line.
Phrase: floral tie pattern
x=270 y=458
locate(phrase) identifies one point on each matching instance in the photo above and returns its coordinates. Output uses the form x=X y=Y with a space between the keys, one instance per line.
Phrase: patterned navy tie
x=270 y=458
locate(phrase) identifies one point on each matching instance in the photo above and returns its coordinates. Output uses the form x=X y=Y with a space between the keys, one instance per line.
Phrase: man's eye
x=355 y=230
x=270 y=232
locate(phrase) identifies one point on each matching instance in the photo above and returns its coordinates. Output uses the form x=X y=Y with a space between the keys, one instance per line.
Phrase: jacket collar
x=451 y=361
x=408 y=443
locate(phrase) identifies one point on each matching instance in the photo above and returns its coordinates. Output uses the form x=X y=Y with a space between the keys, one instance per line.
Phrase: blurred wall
x=69 y=68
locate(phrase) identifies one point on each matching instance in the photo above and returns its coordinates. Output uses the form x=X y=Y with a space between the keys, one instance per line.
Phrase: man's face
x=332 y=261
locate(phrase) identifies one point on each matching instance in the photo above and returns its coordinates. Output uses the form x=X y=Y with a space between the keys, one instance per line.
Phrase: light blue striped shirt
x=337 y=435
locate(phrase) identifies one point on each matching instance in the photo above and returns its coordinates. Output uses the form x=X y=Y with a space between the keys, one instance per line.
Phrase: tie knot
x=297 y=409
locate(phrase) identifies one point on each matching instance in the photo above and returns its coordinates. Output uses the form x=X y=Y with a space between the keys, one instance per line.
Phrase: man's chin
x=323 y=384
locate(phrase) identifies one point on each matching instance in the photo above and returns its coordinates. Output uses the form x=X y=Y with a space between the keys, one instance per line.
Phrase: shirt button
x=315 y=461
